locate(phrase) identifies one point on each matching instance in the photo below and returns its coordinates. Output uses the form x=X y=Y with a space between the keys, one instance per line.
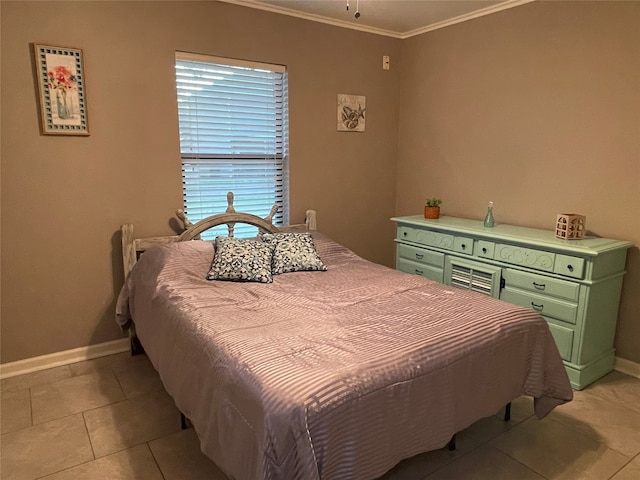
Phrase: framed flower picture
x=61 y=87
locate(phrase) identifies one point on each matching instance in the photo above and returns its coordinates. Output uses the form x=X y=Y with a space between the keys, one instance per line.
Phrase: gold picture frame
x=62 y=92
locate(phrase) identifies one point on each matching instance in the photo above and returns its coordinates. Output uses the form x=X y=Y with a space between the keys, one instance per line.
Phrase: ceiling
x=394 y=18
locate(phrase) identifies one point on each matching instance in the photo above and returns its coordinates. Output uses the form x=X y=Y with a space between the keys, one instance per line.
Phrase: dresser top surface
x=590 y=245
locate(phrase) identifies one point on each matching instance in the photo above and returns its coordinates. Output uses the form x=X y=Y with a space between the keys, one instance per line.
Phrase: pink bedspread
x=331 y=375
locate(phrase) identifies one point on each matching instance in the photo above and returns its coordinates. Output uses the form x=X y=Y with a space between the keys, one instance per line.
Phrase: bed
x=336 y=374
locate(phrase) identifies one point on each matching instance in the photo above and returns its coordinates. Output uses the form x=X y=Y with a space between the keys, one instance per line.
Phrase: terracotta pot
x=431 y=212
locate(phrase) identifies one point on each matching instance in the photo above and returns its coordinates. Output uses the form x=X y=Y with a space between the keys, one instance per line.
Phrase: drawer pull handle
x=536 y=307
x=463 y=246
x=539 y=286
x=484 y=249
x=419 y=272
x=570 y=268
x=419 y=256
x=404 y=234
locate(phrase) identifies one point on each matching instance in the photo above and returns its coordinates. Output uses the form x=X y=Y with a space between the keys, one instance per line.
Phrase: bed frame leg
x=183 y=421
x=452 y=443
x=507 y=412
x=134 y=343
x=136 y=347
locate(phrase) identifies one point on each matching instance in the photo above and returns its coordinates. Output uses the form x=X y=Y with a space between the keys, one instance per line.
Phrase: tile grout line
x=486 y=442
x=65 y=469
x=611 y=400
x=620 y=469
x=78 y=464
x=124 y=394
x=518 y=461
x=86 y=428
x=515 y=459
x=597 y=437
x=521 y=422
x=599 y=441
x=154 y=458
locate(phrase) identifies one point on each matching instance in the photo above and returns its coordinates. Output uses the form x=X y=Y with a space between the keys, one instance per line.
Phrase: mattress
x=331 y=375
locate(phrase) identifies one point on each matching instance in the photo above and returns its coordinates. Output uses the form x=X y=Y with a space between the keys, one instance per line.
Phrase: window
x=233 y=120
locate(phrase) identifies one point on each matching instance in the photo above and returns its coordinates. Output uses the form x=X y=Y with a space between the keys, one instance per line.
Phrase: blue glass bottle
x=488 y=220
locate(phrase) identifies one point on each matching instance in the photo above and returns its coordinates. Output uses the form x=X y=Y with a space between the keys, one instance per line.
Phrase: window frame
x=199 y=166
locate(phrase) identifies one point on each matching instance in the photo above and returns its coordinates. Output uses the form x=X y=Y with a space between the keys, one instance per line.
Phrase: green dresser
x=574 y=284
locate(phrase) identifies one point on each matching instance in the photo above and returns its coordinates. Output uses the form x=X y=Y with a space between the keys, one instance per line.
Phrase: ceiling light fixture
x=357 y=14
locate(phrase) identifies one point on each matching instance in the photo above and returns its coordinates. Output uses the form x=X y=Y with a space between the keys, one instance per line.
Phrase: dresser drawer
x=541 y=284
x=463 y=245
x=527 y=257
x=547 y=306
x=563 y=337
x=415 y=268
x=426 y=237
x=484 y=249
x=569 y=266
x=421 y=255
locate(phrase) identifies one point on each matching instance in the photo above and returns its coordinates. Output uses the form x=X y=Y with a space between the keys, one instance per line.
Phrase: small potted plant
x=432 y=208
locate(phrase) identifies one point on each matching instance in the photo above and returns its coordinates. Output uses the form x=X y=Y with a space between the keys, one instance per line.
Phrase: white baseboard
x=628 y=367
x=65 y=357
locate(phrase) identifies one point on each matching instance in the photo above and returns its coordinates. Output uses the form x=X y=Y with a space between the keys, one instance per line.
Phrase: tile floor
x=110 y=418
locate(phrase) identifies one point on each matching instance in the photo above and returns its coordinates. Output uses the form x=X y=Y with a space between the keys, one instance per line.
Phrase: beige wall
x=64 y=198
x=536 y=108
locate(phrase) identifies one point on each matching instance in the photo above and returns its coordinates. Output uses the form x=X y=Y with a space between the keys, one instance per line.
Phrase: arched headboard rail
x=223 y=219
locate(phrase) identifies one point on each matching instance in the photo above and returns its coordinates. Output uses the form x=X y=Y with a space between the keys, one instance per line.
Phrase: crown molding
x=378 y=31
x=469 y=16
x=315 y=18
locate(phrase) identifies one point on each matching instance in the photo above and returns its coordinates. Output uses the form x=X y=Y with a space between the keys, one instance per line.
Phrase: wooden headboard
x=132 y=247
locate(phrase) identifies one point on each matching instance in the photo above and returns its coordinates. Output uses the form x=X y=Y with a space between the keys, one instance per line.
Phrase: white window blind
x=233 y=120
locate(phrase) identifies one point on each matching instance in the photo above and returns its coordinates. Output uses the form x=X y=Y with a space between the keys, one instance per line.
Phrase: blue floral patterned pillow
x=241 y=260
x=293 y=252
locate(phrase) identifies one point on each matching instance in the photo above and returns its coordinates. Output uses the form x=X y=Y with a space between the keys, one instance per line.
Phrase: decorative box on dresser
x=574 y=284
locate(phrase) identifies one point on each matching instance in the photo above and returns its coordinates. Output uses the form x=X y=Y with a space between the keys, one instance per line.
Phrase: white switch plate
x=385 y=62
